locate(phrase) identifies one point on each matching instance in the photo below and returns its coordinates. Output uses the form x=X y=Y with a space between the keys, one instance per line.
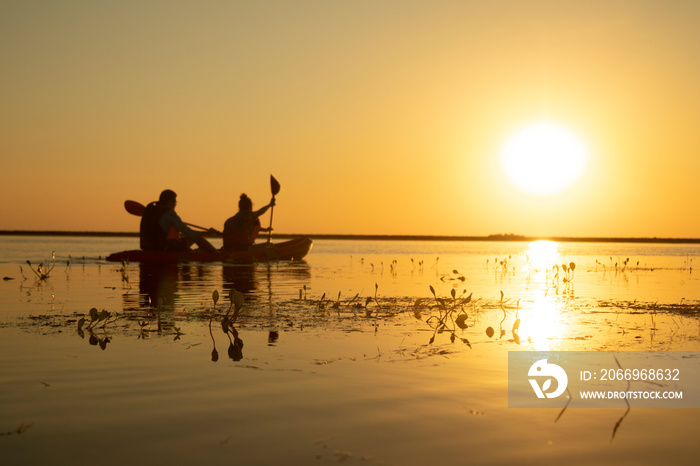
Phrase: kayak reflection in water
x=157 y=284
x=163 y=230
x=241 y=230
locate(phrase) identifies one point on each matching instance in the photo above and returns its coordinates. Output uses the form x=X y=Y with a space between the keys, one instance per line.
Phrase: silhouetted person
x=241 y=230
x=163 y=230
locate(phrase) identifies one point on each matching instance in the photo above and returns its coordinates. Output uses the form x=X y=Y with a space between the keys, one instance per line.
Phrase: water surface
x=333 y=359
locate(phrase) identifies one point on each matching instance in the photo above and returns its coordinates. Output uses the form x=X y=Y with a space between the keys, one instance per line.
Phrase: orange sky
x=377 y=117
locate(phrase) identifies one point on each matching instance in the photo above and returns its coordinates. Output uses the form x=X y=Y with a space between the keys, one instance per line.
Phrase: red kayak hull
x=294 y=249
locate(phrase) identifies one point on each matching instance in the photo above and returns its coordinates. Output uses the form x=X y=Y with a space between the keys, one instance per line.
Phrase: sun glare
x=543 y=254
x=543 y=159
x=542 y=324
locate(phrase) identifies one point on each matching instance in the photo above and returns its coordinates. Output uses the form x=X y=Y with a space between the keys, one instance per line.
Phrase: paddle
x=136 y=208
x=274 y=188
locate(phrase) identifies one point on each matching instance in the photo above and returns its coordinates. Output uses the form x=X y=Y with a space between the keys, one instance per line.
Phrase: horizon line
x=494 y=237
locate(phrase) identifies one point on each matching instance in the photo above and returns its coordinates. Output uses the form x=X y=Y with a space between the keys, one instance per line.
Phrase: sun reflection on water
x=541 y=318
x=542 y=324
x=542 y=255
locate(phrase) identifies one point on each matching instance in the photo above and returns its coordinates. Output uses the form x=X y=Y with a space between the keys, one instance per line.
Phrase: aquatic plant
x=435 y=265
x=617 y=425
x=353 y=302
x=501 y=265
x=123 y=271
x=19 y=430
x=95 y=318
x=350 y=302
x=561 y=413
x=235 y=347
x=336 y=304
x=94 y=340
x=568 y=277
x=321 y=302
x=215 y=298
x=236 y=299
x=214 y=352
x=40 y=272
x=619 y=422
x=555 y=277
x=451 y=315
x=507 y=305
x=454 y=276
x=376 y=300
x=569 y=271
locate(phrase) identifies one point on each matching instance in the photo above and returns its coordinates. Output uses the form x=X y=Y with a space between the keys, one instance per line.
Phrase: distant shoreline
x=494 y=238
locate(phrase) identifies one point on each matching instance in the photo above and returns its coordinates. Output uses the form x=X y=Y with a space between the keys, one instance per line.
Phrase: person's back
x=240 y=231
x=163 y=230
x=152 y=236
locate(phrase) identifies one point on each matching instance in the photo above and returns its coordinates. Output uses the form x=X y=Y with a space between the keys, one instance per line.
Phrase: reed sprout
x=376 y=300
x=41 y=273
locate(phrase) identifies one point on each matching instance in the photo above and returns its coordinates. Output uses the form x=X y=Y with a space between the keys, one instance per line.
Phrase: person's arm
x=172 y=219
x=262 y=210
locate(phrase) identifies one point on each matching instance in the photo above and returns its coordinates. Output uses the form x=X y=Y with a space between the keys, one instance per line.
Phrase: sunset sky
x=376 y=117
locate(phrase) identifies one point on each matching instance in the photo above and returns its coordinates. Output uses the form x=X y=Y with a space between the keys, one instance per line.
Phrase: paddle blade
x=134 y=208
x=274 y=185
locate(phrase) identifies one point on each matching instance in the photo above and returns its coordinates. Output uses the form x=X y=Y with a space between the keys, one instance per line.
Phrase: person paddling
x=163 y=230
x=241 y=230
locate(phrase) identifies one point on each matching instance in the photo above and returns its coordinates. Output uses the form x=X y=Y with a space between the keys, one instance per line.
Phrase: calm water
x=331 y=359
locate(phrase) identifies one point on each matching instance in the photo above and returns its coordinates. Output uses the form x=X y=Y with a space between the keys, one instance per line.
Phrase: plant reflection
x=619 y=422
x=235 y=348
x=95 y=318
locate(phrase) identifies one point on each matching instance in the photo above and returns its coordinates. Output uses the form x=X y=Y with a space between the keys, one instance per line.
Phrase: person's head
x=168 y=198
x=244 y=203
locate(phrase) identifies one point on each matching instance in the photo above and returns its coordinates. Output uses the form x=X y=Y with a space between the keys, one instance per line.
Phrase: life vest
x=152 y=236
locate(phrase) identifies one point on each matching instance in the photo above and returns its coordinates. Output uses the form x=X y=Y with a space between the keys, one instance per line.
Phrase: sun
x=543 y=159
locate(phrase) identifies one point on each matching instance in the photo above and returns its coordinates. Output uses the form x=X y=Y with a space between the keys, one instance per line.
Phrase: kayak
x=294 y=249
